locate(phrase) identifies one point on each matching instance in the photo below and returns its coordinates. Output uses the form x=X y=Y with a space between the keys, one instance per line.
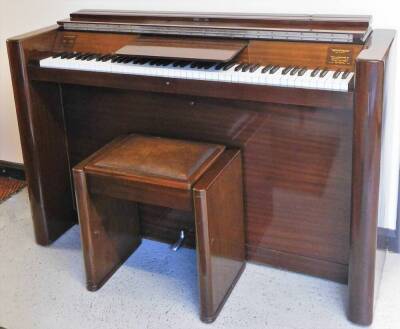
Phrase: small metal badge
x=339 y=56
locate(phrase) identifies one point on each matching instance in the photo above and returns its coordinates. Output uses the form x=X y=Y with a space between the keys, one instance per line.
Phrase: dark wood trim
x=368 y=109
x=48 y=192
x=296 y=263
x=235 y=91
x=12 y=169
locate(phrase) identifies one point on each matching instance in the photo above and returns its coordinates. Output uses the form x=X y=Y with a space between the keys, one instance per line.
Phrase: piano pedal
x=179 y=242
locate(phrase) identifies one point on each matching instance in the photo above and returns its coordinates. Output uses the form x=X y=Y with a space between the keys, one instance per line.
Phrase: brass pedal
x=179 y=242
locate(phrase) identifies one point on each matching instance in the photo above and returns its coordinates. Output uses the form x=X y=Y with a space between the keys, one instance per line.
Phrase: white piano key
x=210 y=74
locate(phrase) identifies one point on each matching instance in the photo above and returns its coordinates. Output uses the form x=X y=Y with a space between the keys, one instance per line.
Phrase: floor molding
x=388 y=239
x=12 y=169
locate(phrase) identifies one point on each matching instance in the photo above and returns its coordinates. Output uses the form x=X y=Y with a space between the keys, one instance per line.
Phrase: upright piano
x=301 y=96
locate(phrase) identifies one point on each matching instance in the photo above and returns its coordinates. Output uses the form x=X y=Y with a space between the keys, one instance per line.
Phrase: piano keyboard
x=274 y=75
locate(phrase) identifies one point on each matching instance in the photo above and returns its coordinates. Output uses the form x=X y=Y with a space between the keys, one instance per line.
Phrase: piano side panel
x=42 y=132
x=297 y=164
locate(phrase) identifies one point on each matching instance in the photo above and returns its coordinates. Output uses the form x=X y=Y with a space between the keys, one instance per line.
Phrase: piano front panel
x=297 y=164
x=331 y=55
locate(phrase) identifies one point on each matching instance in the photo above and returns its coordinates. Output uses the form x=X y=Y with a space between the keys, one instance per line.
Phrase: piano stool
x=204 y=179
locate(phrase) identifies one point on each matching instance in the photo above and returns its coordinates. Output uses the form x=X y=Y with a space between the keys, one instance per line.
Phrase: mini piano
x=302 y=96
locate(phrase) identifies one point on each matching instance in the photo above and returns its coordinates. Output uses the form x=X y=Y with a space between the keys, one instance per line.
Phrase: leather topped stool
x=205 y=179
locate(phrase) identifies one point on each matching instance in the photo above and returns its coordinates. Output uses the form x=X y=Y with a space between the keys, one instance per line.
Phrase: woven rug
x=9 y=186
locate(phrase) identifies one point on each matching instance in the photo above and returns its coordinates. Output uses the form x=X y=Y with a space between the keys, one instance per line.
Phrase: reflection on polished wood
x=310 y=157
x=111 y=228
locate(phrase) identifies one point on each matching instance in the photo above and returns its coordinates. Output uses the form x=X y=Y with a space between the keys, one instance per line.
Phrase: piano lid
x=325 y=28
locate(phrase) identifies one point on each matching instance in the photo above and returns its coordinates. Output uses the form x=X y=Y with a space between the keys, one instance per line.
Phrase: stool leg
x=110 y=231
x=218 y=207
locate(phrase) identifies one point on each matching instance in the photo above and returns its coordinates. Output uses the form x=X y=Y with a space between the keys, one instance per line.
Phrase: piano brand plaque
x=339 y=56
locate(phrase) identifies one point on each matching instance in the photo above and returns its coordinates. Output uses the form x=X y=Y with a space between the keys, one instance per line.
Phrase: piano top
x=323 y=28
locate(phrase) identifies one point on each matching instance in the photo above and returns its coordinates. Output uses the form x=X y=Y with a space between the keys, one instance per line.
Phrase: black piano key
x=64 y=55
x=315 y=72
x=229 y=66
x=337 y=74
x=75 y=55
x=80 y=56
x=274 y=69
x=70 y=55
x=345 y=74
x=83 y=58
x=287 y=70
x=176 y=64
x=220 y=66
x=323 y=73
x=240 y=66
x=199 y=65
x=59 y=54
x=154 y=61
x=302 y=71
x=165 y=62
x=114 y=58
x=194 y=64
x=246 y=67
x=89 y=58
x=254 y=67
x=295 y=70
x=100 y=58
x=208 y=65
x=267 y=68
x=185 y=64
x=106 y=58
x=127 y=60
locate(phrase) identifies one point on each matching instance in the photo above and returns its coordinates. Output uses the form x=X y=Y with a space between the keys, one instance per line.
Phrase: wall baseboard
x=389 y=239
x=12 y=169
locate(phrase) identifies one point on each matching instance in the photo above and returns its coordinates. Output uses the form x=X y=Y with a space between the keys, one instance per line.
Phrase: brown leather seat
x=161 y=161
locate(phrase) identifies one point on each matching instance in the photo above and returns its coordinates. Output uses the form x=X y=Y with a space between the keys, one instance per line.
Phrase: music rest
x=184 y=49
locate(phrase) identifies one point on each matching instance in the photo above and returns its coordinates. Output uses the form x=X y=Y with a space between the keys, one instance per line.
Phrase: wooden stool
x=203 y=178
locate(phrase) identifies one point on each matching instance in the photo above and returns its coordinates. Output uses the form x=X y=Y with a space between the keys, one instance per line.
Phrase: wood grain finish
x=307 y=54
x=110 y=231
x=42 y=132
x=110 y=224
x=297 y=160
x=218 y=207
x=369 y=107
x=297 y=146
x=178 y=87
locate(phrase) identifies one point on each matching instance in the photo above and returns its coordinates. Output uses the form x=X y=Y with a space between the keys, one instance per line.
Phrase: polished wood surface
x=178 y=87
x=307 y=179
x=218 y=207
x=110 y=232
x=310 y=166
x=356 y=26
x=42 y=133
x=187 y=49
x=110 y=224
x=368 y=111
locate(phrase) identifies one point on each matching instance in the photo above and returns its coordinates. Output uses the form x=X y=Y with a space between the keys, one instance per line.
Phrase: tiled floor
x=44 y=288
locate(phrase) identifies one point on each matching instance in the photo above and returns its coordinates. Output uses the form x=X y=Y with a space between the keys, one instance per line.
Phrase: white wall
x=20 y=16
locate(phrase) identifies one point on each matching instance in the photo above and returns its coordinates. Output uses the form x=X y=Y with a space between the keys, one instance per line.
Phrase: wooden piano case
x=311 y=157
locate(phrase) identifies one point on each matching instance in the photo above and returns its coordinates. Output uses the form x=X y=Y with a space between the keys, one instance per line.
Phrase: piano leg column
x=218 y=207
x=43 y=140
x=365 y=190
